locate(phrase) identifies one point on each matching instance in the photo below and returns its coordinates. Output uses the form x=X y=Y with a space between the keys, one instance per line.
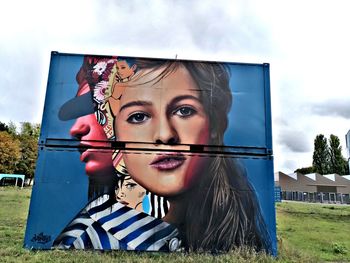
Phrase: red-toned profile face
x=88 y=130
x=168 y=111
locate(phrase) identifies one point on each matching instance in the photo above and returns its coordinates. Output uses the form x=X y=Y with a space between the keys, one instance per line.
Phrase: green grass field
x=318 y=230
x=306 y=233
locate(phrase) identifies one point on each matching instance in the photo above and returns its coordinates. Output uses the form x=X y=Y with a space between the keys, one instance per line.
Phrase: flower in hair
x=100 y=67
x=100 y=90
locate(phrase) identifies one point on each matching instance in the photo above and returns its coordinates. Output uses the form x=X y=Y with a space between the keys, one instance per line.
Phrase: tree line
x=19 y=148
x=327 y=157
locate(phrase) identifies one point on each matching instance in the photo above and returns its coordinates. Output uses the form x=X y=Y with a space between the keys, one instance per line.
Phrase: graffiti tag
x=41 y=238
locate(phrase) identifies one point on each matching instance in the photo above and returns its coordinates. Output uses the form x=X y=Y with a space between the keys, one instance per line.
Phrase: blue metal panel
x=250 y=115
x=248 y=127
x=62 y=178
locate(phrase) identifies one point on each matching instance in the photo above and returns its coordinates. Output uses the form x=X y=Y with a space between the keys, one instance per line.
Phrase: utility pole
x=347 y=139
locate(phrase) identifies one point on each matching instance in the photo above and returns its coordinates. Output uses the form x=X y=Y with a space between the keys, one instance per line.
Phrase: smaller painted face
x=89 y=132
x=165 y=114
x=131 y=194
x=124 y=70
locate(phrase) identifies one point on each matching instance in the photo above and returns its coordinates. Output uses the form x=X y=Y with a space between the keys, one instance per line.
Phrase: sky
x=307 y=44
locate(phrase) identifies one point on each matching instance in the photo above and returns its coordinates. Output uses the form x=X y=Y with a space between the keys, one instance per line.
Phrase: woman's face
x=88 y=131
x=124 y=70
x=163 y=115
x=131 y=194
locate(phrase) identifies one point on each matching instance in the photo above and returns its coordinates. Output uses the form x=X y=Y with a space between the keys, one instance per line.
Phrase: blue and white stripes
x=106 y=224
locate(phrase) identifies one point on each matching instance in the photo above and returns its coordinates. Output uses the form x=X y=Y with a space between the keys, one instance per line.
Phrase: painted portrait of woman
x=164 y=109
x=168 y=107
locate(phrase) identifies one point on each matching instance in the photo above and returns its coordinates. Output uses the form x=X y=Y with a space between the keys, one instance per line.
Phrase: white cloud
x=306 y=43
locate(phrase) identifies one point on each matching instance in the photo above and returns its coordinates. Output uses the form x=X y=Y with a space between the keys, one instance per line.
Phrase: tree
x=305 y=170
x=346 y=164
x=29 y=155
x=28 y=138
x=337 y=162
x=9 y=153
x=3 y=127
x=321 y=155
x=12 y=128
x=30 y=129
x=327 y=158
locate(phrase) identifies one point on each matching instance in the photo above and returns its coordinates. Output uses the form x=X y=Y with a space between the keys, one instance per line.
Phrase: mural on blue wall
x=168 y=161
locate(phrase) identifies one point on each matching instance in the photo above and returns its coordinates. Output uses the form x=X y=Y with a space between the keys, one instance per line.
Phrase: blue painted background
x=60 y=189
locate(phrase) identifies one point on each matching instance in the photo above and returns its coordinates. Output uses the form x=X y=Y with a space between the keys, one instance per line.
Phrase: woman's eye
x=185 y=111
x=138 y=118
x=130 y=186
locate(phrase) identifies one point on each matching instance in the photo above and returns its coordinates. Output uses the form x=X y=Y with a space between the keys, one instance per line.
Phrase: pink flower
x=100 y=90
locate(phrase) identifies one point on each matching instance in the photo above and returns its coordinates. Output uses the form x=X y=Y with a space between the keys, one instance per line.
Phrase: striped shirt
x=105 y=224
x=159 y=205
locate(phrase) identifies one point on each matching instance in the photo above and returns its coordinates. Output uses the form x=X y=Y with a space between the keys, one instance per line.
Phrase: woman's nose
x=79 y=129
x=166 y=134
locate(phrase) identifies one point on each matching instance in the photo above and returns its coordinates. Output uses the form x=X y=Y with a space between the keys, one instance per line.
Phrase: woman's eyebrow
x=135 y=103
x=183 y=97
x=174 y=101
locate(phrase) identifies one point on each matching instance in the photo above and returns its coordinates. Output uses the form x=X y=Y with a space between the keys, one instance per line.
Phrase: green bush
x=338 y=248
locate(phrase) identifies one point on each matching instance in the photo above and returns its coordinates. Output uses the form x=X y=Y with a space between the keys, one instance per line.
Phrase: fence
x=278 y=194
x=331 y=198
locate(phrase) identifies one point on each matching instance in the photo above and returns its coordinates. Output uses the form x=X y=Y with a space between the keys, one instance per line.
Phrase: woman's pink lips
x=124 y=202
x=168 y=161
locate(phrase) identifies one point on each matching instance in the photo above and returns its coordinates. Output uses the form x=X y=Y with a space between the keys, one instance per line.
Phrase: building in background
x=330 y=188
x=314 y=187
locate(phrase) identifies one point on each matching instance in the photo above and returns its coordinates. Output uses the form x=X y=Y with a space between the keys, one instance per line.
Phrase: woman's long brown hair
x=222 y=211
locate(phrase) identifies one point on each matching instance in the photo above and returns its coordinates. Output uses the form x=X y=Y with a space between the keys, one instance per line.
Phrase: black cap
x=79 y=106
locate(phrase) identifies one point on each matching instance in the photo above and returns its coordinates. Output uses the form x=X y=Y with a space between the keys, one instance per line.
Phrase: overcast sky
x=307 y=43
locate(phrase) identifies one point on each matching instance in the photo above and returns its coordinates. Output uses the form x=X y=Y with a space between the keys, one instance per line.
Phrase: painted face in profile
x=90 y=132
x=131 y=194
x=165 y=114
x=124 y=70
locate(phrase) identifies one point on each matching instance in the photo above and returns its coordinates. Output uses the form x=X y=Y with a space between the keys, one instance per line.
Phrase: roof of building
x=316 y=179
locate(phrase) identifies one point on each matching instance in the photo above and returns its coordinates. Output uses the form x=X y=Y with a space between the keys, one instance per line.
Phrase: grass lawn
x=319 y=230
x=307 y=233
